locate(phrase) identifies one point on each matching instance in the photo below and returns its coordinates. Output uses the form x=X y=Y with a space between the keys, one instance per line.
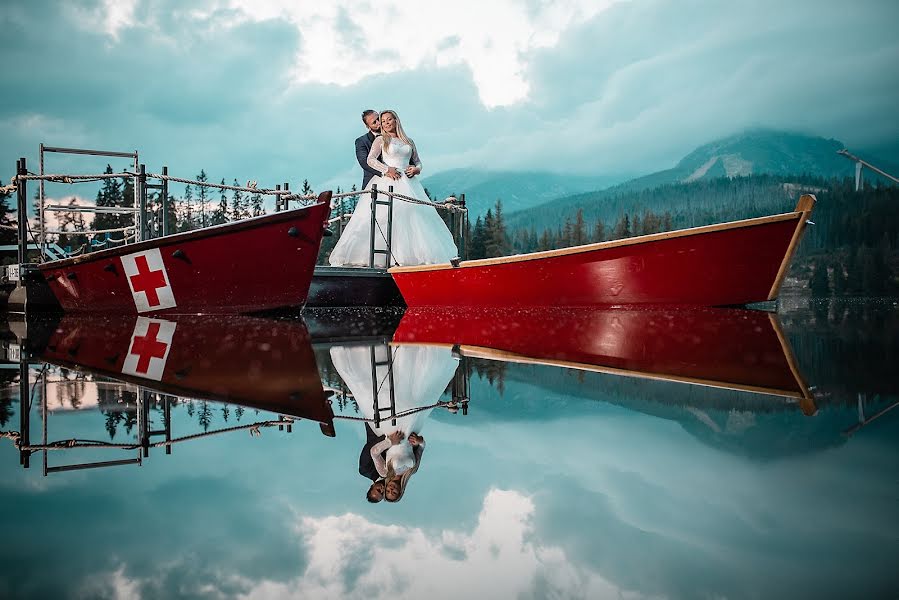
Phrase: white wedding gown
x=420 y=236
x=420 y=375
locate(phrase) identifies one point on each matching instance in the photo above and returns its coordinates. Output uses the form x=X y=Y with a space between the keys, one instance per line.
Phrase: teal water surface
x=553 y=482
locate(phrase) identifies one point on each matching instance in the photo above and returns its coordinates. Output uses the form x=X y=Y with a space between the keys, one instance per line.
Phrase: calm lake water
x=603 y=454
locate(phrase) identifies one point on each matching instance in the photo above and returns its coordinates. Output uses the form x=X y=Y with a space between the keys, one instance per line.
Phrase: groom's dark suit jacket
x=363 y=147
x=366 y=462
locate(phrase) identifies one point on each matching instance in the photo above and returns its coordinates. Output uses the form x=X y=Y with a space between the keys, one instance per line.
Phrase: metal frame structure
x=139 y=209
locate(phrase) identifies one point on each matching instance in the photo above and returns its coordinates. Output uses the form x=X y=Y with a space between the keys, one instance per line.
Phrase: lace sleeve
x=376 y=450
x=377 y=148
x=416 y=453
x=415 y=160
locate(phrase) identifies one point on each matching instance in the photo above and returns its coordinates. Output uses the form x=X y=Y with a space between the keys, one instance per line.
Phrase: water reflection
x=575 y=454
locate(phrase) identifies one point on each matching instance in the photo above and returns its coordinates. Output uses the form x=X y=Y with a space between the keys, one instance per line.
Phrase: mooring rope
x=87 y=231
x=405 y=413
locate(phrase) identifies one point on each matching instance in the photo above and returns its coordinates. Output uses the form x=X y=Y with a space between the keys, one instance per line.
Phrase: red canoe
x=733 y=263
x=259 y=363
x=257 y=264
x=726 y=348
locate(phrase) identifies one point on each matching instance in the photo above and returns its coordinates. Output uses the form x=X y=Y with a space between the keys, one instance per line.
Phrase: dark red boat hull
x=729 y=348
x=252 y=265
x=259 y=363
x=720 y=265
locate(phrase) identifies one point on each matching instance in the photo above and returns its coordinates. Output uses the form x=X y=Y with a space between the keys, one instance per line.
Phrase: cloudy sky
x=272 y=89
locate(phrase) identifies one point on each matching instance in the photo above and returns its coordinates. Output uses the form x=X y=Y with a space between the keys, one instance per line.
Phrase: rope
x=250 y=187
x=87 y=231
x=405 y=413
x=58 y=178
x=448 y=204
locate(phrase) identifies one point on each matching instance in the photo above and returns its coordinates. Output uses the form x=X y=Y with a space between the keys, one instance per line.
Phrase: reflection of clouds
x=352 y=556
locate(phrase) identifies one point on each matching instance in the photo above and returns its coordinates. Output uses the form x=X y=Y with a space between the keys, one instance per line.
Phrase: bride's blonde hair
x=399 y=130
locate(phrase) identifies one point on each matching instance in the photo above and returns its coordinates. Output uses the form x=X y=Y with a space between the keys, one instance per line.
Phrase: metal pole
x=278 y=198
x=22 y=207
x=167 y=415
x=389 y=229
x=165 y=203
x=143 y=229
x=374 y=208
x=463 y=251
x=284 y=202
x=24 y=414
x=41 y=205
x=374 y=387
x=137 y=197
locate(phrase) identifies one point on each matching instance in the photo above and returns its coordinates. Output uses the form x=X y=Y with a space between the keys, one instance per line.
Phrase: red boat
x=259 y=363
x=735 y=349
x=251 y=265
x=733 y=263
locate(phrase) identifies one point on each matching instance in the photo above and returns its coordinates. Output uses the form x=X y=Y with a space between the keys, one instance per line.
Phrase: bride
x=419 y=234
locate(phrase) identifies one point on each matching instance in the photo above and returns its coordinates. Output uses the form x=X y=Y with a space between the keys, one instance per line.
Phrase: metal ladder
x=375 y=363
x=374 y=225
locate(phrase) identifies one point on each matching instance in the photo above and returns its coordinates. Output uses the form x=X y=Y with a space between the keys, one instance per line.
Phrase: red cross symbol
x=148 y=347
x=147 y=281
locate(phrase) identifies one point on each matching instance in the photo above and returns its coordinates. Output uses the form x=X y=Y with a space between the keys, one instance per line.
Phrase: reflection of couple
x=392 y=453
x=388 y=157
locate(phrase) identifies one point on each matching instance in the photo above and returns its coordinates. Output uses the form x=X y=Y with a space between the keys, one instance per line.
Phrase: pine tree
x=599 y=231
x=622 y=228
x=202 y=197
x=187 y=213
x=477 y=248
x=818 y=282
x=7 y=235
x=497 y=242
x=579 y=232
x=307 y=189
x=236 y=204
x=256 y=202
x=220 y=214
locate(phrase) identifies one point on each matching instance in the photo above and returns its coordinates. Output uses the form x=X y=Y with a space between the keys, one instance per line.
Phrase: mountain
x=517 y=190
x=754 y=152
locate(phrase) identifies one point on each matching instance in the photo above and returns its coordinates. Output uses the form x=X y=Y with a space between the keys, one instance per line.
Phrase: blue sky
x=272 y=90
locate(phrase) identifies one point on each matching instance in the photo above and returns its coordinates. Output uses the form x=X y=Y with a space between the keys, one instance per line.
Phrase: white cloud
x=350 y=556
x=109 y=17
x=344 y=42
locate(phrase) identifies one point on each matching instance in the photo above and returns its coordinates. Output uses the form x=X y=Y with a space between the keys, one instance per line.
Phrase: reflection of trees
x=226 y=412
x=845 y=344
x=494 y=371
x=205 y=415
x=8 y=379
x=71 y=387
x=238 y=413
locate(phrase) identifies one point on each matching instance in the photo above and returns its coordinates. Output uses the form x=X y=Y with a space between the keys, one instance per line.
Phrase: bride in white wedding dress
x=419 y=234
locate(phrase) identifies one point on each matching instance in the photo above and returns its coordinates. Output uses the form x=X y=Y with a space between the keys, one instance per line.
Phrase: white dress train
x=419 y=235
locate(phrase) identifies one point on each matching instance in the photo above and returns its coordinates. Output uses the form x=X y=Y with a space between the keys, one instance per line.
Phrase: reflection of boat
x=733 y=263
x=259 y=363
x=727 y=348
x=251 y=265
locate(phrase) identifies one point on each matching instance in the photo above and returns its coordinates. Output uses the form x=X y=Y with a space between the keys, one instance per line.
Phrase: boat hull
x=258 y=363
x=247 y=266
x=734 y=349
x=734 y=263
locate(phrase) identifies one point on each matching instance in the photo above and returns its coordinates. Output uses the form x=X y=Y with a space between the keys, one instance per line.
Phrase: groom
x=372 y=121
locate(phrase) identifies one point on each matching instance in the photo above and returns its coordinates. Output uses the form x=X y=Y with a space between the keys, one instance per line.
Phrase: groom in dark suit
x=363 y=144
